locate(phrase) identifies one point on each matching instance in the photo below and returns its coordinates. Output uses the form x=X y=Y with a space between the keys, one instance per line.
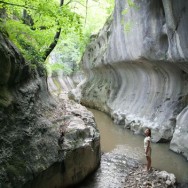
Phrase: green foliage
x=67 y=54
x=106 y=5
x=70 y=49
x=34 y=32
x=32 y=25
x=55 y=67
x=31 y=42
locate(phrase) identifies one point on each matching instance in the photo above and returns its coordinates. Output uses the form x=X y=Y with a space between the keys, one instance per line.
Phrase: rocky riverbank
x=119 y=171
x=138 y=177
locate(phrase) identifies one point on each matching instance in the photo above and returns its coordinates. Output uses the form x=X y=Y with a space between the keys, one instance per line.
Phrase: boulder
x=78 y=148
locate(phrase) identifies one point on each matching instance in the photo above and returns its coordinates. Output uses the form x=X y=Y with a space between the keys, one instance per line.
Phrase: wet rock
x=153 y=178
x=170 y=178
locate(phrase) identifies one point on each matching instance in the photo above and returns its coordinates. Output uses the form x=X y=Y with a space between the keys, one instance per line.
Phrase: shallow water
x=112 y=172
x=116 y=138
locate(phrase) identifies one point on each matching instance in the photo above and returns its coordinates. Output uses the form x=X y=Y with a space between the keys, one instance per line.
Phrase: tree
x=35 y=26
x=56 y=37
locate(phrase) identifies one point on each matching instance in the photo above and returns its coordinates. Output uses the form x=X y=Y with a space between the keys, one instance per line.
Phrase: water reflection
x=123 y=141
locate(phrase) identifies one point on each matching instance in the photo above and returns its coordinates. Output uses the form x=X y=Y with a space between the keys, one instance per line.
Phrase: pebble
x=141 y=179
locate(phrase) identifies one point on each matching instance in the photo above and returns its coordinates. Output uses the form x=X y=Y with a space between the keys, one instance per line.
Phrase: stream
x=117 y=142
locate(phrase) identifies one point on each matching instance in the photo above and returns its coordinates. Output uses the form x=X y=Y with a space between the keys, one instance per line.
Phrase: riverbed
x=115 y=138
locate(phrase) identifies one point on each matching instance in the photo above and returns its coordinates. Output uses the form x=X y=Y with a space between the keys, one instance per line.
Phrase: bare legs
x=148 y=162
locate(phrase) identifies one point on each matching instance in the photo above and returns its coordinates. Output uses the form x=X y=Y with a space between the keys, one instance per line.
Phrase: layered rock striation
x=137 y=69
x=43 y=142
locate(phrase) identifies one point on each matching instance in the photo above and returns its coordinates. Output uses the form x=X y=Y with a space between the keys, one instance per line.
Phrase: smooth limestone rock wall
x=137 y=69
x=60 y=84
x=46 y=142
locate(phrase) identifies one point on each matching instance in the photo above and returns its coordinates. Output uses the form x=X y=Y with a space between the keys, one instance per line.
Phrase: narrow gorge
x=137 y=70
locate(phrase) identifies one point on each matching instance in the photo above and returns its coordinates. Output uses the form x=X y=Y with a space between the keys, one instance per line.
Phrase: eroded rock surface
x=137 y=69
x=49 y=141
x=78 y=147
x=60 y=84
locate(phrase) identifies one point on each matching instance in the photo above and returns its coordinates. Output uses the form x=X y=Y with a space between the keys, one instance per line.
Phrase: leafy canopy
x=69 y=50
x=32 y=24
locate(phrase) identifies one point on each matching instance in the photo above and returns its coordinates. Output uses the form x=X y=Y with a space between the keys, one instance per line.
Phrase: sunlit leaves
x=69 y=51
x=31 y=42
x=46 y=17
x=55 y=67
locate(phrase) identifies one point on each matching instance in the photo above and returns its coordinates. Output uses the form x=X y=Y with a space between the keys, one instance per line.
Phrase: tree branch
x=53 y=44
x=56 y=38
x=61 y=3
x=86 y=11
x=71 y=1
x=17 y=5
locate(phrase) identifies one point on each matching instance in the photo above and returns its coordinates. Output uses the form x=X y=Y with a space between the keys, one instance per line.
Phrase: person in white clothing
x=147 y=148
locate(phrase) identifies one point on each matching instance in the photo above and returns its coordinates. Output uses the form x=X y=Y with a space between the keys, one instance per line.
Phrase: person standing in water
x=147 y=148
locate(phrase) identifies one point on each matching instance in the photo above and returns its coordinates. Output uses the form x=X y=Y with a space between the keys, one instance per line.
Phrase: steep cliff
x=40 y=138
x=137 y=69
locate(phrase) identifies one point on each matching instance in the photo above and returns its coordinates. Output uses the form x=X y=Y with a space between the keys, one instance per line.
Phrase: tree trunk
x=56 y=38
x=27 y=19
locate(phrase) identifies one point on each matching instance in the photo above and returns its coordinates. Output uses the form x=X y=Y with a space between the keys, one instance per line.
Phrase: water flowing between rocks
x=121 y=147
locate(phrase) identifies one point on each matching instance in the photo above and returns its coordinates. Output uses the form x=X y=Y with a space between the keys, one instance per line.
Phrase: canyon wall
x=43 y=142
x=60 y=84
x=137 y=69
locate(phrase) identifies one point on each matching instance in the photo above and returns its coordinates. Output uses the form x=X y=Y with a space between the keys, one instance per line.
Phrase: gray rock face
x=78 y=148
x=35 y=139
x=60 y=84
x=137 y=68
x=180 y=137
